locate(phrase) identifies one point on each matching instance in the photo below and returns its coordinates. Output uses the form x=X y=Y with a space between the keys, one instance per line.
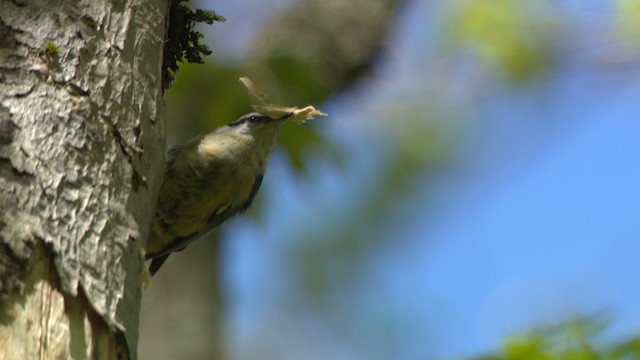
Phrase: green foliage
x=183 y=43
x=510 y=36
x=575 y=340
x=51 y=49
x=627 y=15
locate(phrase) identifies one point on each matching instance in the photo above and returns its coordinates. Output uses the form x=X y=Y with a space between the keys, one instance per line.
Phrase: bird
x=208 y=180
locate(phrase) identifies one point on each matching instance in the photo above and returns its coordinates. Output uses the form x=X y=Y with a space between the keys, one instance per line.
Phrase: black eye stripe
x=240 y=121
x=260 y=118
x=252 y=118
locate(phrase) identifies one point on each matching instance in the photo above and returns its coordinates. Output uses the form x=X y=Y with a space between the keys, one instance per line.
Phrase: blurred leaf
x=297 y=138
x=575 y=340
x=204 y=97
x=525 y=348
x=514 y=37
x=628 y=19
x=626 y=350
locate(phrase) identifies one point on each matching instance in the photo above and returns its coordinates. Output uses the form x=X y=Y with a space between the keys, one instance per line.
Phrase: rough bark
x=81 y=150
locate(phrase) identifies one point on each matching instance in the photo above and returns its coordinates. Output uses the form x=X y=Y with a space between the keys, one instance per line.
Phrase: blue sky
x=536 y=220
x=552 y=236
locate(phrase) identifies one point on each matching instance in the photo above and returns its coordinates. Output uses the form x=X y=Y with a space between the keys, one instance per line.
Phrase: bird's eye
x=253 y=118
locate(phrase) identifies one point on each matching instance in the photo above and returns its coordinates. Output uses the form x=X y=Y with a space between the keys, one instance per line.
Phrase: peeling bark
x=81 y=157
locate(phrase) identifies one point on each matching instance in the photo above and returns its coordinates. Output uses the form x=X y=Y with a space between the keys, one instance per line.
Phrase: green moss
x=51 y=49
x=183 y=42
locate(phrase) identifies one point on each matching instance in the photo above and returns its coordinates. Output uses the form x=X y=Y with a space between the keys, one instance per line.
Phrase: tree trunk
x=81 y=158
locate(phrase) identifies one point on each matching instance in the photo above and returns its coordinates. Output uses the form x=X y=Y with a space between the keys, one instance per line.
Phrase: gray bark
x=81 y=157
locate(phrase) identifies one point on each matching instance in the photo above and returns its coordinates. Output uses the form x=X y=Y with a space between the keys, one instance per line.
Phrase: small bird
x=208 y=180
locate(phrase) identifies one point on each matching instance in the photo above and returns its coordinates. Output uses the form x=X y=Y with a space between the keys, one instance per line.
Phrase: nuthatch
x=209 y=180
